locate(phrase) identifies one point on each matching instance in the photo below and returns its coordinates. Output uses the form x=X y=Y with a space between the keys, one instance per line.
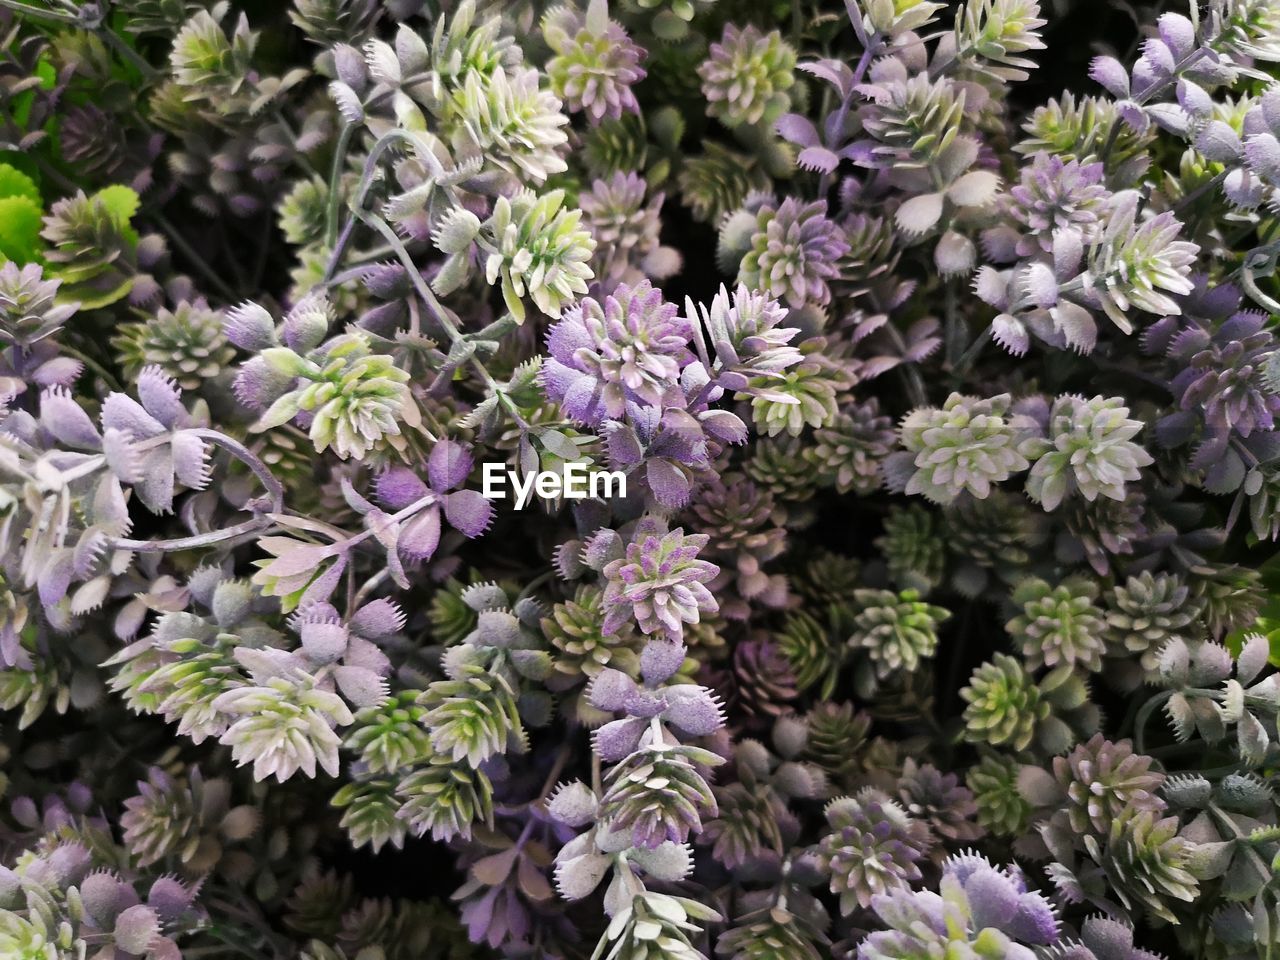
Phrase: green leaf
x=88 y=300
x=120 y=201
x=280 y=412
x=15 y=183
x=19 y=229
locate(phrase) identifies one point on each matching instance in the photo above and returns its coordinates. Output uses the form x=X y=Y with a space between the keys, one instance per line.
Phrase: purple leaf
x=128 y=416
x=660 y=659
x=190 y=460
x=1110 y=74
x=693 y=709
x=399 y=487
x=250 y=327
x=573 y=804
x=160 y=396
x=619 y=738
x=993 y=899
x=448 y=465
x=324 y=641
x=378 y=618
x=55 y=577
x=361 y=687
x=611 y=689
x=420 y=535
x=817 y=159
x=63 y=417
x=156 y=487
x=797 y=129
x=468 y=512
x=669 y=484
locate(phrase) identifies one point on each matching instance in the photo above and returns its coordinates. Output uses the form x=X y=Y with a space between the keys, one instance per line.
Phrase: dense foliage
x=938 y=616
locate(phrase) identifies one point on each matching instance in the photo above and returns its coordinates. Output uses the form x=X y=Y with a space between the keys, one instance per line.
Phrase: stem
x=1140 y=722
x=150 y=73
x=298 y=156
x=975 y=348
x=39 y=13
x=955 y=326
x=562 y=758
x=369 y=586
x=246 y=456
x=250 y=460
x=915 y=385
x=339 y=248
x=335 y=175
x=534 y=584
x=233 y=262
x=1243 y=839
x=347 y=275
x=415 y=275
x=842 y=114
x=264 y=249
x=346 y=542
x=196 y=542
x=1198 y=192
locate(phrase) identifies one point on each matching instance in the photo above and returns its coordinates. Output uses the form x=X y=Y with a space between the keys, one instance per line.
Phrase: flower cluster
x=640 y=480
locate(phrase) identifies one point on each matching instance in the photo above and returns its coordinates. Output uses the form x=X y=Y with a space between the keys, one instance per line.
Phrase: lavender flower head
x=628 y=349
x=660 y=582
x=981 y=911
x=595 y=64
x=794 y=253
x=747 y=75
x=1057 y=195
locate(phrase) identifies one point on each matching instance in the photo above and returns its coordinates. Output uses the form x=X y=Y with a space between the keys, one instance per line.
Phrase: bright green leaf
x=15 y=183
x=19 y=229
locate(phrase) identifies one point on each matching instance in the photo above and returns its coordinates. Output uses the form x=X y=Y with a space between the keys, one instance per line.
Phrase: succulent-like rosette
x=981 y=911
x=536 y=247
x=897 y=631
x=1058 y=195
x=660 y=582
x=1102 y=779
x=595 y=63
x=967 y=446
x=628 y=348
x=747 y=75
x=512 y=120
x=872 y=846
x=1138 y=264
x=1058 y=624
x=1007 y=707
x=187 y=343
x=1089 y=450
x=794 y=252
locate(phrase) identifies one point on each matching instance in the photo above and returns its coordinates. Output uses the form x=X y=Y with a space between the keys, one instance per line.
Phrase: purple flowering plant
x=639 y=480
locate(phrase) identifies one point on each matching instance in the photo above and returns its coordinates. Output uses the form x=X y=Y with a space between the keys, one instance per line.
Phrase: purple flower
x=467 y=511
x=660 y=582
x=794 y=252
x=982 y=910
x=1055 y=195
x=595 y=63
x=631 y=348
